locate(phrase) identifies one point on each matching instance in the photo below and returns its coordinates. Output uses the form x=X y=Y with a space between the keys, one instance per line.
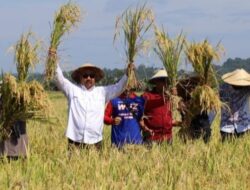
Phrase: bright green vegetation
x=194 y=165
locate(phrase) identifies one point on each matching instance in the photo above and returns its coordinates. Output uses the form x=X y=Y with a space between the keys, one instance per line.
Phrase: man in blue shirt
x=124 y=114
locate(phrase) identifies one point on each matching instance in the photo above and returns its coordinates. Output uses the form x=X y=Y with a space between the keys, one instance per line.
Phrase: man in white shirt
x=86 y=104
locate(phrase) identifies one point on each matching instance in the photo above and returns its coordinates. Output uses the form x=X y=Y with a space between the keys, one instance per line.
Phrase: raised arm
x=115 y=90
x=62 y=83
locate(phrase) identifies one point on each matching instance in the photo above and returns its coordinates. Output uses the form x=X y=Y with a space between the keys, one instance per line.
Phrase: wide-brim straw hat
x=76 y=74
x=238 y=77
x=162 y=73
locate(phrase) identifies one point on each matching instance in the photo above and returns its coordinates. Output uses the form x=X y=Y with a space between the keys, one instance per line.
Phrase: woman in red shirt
x=157 y=119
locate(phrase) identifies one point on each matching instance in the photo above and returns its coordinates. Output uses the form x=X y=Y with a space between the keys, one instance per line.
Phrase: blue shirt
x=130 y=110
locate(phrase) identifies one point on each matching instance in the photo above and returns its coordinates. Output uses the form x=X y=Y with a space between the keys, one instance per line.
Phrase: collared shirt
x=238 y=117
x=86 y=108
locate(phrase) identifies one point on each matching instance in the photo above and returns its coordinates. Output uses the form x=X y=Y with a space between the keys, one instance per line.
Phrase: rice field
x=194 y=165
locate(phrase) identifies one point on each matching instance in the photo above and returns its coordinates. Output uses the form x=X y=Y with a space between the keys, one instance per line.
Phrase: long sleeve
x=63 y=84
x=108 y=120
x=112 y=91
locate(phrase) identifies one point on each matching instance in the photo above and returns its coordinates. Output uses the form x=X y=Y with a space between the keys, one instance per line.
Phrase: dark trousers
x=149 y=143
x=76 y=145
x=200 y=127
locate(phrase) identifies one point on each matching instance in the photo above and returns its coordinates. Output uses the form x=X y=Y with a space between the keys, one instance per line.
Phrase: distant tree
x=232 y=64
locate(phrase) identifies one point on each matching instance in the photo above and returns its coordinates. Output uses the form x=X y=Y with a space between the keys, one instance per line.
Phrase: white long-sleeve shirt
x=86 y=108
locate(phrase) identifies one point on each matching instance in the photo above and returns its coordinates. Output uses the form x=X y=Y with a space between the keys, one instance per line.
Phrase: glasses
x=86 y=75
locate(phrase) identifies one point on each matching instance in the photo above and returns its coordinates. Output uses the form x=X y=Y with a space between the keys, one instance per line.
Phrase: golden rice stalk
x=134 y=24
x=21 y=101
x=204 y=97
x=176 y=112
x=169 y=52
x=201 y=55
x=67 y=17
x=25 y=56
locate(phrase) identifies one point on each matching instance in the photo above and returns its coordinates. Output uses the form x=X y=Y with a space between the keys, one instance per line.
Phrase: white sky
x=227 y=21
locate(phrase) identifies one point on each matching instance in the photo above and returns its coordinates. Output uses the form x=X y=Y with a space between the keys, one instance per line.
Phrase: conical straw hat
x=239 y=77
x=99 y=74
x=162 y=73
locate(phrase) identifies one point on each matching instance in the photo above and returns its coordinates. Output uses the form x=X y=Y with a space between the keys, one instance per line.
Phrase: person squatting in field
x=236 y=93
x=157 y=120
x=124 y=114
x=86 y=104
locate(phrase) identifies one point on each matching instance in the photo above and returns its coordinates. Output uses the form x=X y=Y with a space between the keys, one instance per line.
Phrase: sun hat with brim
x=162 y=73
x=239 y=77
x=76 y=74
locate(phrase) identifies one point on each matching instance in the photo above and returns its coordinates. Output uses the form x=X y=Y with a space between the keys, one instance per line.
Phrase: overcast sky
x=227 y=21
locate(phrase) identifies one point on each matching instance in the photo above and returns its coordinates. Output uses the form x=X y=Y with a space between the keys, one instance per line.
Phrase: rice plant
x=194 y=165
x=68 y=16
x=205 y=96
x=26 y=56
x=134 y=24
x=21 y=99
x=169 y=52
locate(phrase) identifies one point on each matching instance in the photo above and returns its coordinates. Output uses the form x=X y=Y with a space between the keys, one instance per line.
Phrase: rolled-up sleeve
x=62 y=83
x=115 y=90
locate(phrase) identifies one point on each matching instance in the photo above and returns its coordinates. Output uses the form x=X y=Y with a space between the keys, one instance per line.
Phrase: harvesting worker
x=157 y=120
x=124 y=114
x=236 y=93
x=86 y=104
x=15 y=145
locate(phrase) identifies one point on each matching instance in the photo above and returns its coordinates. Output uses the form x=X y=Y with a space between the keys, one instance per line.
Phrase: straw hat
x=162 y=73
x=99 y=74
x=239 y=77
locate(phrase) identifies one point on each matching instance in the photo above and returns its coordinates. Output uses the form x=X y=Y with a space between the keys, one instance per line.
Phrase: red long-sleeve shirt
x=158 y=116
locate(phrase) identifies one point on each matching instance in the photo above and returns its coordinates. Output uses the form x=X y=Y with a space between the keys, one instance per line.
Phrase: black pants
x=72 y=145
x=200 y=127
x=149 y=143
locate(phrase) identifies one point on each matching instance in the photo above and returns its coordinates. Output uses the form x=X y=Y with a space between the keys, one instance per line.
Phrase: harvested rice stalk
x=201 y=55
x=25 y=56
x=67 y=17
x=21 y=101
x=134 y=24
x=204 y=98
x=169 y=52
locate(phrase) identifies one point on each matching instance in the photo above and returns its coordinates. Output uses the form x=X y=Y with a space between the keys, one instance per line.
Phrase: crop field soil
x=191 y=165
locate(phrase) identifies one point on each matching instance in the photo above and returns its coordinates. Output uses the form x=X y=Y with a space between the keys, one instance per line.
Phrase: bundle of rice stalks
x=169 y=52
x=25 y=56
x=21 y=101
x=67 y=17
x=204 y=98
x=134 y=24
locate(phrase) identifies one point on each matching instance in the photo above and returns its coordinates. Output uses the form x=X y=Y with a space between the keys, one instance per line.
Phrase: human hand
x=117 y=120
x=145 y=128
x=174 y=91
x=130 y=67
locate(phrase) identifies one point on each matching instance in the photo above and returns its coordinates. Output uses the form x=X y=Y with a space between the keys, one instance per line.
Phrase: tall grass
x=194 y=165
